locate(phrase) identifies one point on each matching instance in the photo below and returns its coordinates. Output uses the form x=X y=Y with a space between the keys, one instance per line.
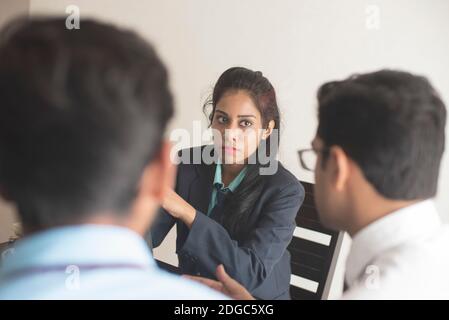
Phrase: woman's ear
x=267 y=132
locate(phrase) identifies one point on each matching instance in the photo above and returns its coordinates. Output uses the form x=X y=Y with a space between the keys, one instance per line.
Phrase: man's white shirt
x=404 y=255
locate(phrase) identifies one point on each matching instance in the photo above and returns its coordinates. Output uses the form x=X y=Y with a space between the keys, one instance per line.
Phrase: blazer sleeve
x=252 y=261
x=160 y=227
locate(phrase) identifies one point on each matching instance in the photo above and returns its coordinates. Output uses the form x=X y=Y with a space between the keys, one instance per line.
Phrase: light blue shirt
x=91 y=262
x=218 y=184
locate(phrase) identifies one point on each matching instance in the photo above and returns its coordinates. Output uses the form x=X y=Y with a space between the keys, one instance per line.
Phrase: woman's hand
x=225 y=285
x=179 y=208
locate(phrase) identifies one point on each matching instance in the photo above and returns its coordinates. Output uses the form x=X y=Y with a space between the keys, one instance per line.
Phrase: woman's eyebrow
x=239 y=116
x=221 y=112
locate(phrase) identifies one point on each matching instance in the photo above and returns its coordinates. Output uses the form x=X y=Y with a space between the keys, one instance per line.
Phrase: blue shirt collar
x=234 y=183
x=81 y=244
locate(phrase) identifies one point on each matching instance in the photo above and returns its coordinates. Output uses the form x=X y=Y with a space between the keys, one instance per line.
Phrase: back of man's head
x=391 y=124
x=82 y=112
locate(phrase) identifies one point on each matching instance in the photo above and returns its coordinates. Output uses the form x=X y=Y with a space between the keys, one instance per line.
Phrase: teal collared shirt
x=219 y=185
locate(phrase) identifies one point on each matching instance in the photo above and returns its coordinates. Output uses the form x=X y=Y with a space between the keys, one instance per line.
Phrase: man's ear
x=340 y=167
x=267 y=132
x=159 y=175
x=4 y=194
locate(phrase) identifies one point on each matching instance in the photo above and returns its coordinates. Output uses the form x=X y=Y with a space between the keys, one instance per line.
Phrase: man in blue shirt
x=82 y=119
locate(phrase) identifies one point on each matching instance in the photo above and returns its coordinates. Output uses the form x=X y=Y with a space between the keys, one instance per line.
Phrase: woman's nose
x=233 y=133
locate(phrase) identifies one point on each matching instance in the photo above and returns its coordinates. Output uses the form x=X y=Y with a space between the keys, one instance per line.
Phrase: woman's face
x=239 y=124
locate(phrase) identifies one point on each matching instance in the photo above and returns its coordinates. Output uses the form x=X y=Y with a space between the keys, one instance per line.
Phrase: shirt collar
x=390 y=231
x=234 y=183
x=82 y=244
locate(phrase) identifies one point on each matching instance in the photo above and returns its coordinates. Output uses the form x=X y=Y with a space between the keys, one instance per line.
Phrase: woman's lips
x=230 y=150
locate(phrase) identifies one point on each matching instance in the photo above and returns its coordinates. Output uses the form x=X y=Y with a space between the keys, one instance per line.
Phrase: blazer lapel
x=201 y=188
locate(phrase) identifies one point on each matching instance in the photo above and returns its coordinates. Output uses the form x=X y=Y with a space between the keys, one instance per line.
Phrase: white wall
x=9 y=8
x=297 y=44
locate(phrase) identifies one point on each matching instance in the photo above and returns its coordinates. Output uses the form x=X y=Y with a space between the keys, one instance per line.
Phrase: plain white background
x=297 y=44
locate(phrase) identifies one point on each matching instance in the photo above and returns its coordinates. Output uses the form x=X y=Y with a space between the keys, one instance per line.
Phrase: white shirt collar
x=388 y=232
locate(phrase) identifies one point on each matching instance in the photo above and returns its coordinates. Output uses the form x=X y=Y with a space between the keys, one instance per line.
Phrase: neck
x=110 y=219
x=126 y=221
x=230 y=171
x=367 y=211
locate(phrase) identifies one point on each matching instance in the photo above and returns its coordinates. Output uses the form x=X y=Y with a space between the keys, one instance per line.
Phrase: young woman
x=229 y=212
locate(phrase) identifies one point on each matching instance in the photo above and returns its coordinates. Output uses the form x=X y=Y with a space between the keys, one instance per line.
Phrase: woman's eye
x=245 y=123
x=221 y=119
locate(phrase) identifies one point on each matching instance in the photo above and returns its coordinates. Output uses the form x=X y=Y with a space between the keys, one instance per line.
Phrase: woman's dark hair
x=238 y=205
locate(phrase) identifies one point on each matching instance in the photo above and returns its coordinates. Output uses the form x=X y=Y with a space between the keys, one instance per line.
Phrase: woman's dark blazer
x=260 y=262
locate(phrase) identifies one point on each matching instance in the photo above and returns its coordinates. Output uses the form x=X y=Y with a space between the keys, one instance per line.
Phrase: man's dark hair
x=82 y=112
x=391 y=124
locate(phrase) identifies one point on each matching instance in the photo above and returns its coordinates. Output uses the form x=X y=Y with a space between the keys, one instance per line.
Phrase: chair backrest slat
x=312 y=250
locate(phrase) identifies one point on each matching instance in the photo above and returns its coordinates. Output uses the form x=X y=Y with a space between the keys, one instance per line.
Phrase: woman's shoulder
x=194 y=159
x=282 y=179
x=283 y=192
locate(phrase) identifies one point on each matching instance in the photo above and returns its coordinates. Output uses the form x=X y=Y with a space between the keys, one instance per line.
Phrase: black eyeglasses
x=308 y=158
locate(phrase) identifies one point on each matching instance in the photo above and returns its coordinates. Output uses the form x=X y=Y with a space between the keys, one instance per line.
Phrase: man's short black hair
x=82 y=112
x=391 y=124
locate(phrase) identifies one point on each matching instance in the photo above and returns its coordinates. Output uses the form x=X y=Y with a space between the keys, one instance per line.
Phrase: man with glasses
x=376 y=158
